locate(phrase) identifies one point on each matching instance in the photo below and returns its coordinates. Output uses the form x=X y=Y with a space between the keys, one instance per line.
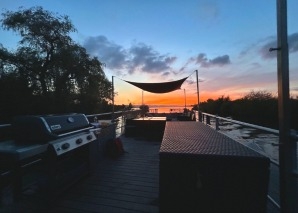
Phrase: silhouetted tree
x=258 y=95
x=144 y=108
x=56 y=72
x=130 y=106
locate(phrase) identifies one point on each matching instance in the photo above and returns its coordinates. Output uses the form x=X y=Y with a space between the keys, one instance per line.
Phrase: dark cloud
x=218 y=61
x=264 y=50
x=138 y=57
x=113 y=55
x=201 y=58
x=272 y=43
x=148 y=60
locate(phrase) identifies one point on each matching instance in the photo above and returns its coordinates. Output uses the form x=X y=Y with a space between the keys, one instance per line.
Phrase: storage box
x=202 y=170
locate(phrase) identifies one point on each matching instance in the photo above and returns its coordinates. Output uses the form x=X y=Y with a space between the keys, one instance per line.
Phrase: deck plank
x=129 y=183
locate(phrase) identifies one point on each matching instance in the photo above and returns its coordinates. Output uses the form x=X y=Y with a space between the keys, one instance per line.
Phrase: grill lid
x=42 y=128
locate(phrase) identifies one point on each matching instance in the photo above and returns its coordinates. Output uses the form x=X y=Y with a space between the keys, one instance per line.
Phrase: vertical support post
x=113 y=109
x=184 y=100
x=198 y=94
x=287 y=149
x=208 y=120
x=216 y=123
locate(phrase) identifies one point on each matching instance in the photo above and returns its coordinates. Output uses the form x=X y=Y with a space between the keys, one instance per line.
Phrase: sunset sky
x=227 y=41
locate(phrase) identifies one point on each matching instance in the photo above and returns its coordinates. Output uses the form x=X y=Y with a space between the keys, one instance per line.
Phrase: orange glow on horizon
x=126 y=93
x=173 y=98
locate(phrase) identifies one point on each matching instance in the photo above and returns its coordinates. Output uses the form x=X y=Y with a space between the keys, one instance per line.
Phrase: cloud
x=264 y=50
x=166 y=73
x=217 y=61
x=272 y=43
x=113 y=55
x=144 y=57
x=293 y=42
x=138 y=57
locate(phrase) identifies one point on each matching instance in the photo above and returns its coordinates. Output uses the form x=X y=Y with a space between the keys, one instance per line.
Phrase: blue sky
x=227 y=41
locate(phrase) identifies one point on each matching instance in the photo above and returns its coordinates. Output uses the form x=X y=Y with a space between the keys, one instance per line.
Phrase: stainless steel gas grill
x=41 y=129
x=64 y=147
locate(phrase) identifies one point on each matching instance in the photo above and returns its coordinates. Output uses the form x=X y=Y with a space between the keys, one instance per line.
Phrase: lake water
x=167 y=109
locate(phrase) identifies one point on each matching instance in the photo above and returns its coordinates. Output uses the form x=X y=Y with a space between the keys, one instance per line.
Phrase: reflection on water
x=167 y=109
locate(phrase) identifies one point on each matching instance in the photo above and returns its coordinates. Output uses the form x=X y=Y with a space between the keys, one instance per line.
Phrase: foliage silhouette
x=48 y=73
x=257 y=107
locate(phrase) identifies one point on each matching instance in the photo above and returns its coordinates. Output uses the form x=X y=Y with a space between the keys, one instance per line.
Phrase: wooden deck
x=129 y=183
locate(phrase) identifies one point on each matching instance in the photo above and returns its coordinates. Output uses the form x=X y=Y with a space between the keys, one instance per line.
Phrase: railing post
x=208 y=120
x=216 y=123
x=200 y=116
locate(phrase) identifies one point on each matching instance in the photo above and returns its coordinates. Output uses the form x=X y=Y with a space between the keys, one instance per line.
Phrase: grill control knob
x=89 y=137
x=65 y=146
x=79 y=141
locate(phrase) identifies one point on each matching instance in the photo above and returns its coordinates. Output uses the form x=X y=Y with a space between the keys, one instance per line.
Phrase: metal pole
x=287 y=149
x=142 y=97
x=198 y=93
x=113 y=98
x=184 y=99
x=198 y=89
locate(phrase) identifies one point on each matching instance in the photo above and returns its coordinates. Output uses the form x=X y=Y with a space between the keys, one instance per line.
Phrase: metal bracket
x=274 y=49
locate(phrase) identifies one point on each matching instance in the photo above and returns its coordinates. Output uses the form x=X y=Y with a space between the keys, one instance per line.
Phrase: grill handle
x=76 y=131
